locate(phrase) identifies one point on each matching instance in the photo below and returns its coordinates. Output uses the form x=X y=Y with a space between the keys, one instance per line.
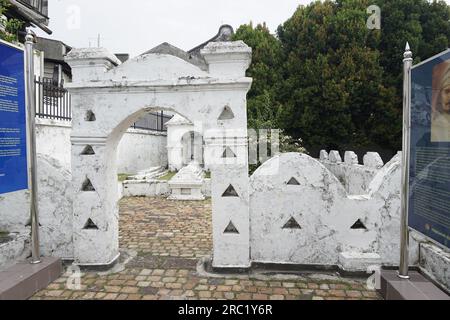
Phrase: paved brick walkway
x=162 y=242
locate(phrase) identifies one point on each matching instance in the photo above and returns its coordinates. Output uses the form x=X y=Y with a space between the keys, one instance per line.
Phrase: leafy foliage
x=328 y=79
x=10 y=26
x=266 y=70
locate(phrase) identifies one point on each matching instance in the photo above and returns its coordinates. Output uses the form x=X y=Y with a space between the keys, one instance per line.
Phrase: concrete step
x=417 y=287
x=23 y=280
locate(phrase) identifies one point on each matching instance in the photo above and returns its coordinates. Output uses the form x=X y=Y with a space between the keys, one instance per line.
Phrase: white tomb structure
x=184 y=144
x=185 y=148
x=188 y=183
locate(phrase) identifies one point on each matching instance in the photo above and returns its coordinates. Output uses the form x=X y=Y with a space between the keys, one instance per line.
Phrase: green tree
x=333 y=79
x=266 y=71
x=329 y=80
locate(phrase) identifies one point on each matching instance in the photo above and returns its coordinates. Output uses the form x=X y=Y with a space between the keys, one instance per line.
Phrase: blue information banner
x=429 y=199
x=13 y=133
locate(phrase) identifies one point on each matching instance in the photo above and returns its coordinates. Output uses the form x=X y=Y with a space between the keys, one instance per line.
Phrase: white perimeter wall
x=138 y=149
x=141 y=149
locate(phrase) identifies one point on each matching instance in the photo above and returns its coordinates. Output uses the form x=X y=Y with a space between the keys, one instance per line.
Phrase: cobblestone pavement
x=162 y=242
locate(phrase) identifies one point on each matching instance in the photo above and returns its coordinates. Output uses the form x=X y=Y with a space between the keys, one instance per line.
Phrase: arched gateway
x=107 y=97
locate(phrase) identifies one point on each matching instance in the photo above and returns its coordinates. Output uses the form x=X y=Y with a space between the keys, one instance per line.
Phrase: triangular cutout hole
x=227 y=114
x=90 y=116
x=230 y=192
x=358 y=225
x=292 y=224
x=88 y=151
x=231 y=229
x=228 y=153
x=87 y=186
x=90 y=225
x=293 y=182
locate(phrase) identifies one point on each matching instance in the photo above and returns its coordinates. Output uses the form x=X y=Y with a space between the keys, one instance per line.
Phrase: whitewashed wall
x=325 y=212
x=55 y=214
x=53 y=139
x=355 y=177
x=138 y=149
x=141 y=149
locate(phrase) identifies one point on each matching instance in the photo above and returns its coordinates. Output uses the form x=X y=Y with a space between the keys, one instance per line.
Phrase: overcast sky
x=134 y=26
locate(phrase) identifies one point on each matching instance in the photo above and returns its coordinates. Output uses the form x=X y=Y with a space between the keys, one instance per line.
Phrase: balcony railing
x=40 y=6
x=53 y=102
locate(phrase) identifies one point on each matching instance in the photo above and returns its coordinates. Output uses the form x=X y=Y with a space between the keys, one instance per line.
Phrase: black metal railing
x=52 y=100
x=153 y=121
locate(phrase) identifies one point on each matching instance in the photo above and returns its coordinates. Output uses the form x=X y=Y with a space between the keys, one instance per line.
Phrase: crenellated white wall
x=354 y=176
x=326 y=213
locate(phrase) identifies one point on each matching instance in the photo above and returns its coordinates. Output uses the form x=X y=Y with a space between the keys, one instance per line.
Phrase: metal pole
x=404 y=232
x=31 y=108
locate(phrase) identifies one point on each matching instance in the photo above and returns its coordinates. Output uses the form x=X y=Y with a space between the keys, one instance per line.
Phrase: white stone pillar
x=226 y=154
x=94 y=173
x=95 y=211
x=230 y=200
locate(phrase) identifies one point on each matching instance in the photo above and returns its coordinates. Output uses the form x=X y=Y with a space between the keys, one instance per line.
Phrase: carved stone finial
x=30 y=36
x=226 y=33
x=408 y=52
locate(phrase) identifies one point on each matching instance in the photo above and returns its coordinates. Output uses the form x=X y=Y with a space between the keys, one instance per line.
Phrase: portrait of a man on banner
x=440 y=119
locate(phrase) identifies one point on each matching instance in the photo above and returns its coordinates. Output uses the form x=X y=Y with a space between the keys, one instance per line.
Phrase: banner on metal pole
x=429 y=192
x=13 y=132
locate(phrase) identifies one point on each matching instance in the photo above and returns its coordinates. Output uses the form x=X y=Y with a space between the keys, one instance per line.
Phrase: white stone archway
x=107 y=97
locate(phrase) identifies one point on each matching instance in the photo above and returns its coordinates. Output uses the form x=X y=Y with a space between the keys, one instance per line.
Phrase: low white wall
x=53 y=140
x=326 y=214
x=138 y=149
x=55 y=211
x=154 y=188
x=141 y=149
x=435 y=262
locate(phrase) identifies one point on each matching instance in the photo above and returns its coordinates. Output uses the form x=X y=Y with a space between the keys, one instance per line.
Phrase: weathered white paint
x=187 y=183
x=373 y=159
x=17 y=249
x=141 y=149
x=177 y=128
x=325 y=213
x=55 y=212
x=137 y=150
x=335 y=157
x=435 y=262
x=55 y=208
x=53 y=139
x=360 y=261
x=145 y=188
x=354 y=177
x=118 y=95
x=230 y=249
